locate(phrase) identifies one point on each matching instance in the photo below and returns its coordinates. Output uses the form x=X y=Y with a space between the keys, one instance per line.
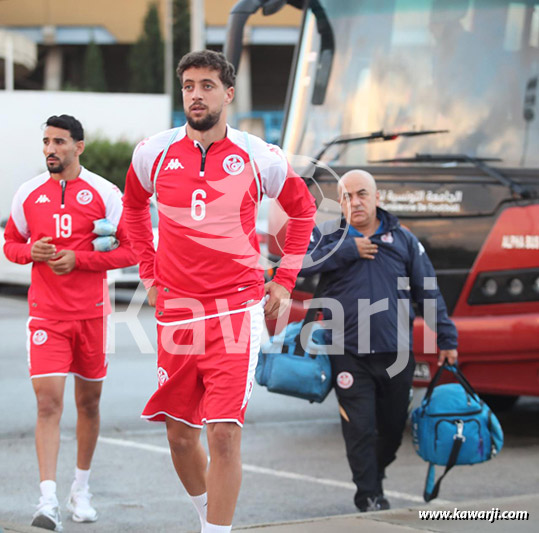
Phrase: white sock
x=212 y=528
x=48 y=490
x=201 y=505
x=81 y=478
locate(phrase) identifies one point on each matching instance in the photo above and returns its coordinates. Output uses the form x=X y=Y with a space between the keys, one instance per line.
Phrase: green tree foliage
x=147 y=56
x=93 y=71
x=108 y=159
x=181 y=33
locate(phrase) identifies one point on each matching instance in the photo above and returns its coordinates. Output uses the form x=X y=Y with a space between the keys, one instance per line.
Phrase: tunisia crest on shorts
x=162 y=376
x=39 y=337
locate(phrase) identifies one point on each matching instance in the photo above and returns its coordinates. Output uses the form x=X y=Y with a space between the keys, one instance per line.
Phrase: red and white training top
x=65 y=211
x=208 y=251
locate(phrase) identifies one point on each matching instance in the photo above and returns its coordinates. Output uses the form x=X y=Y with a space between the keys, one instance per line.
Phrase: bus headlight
x=505 y=286
x=490 y=287
x=515 y=287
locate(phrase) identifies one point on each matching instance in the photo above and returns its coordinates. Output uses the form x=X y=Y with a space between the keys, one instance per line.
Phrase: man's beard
x=57 y=168
x=206 y=123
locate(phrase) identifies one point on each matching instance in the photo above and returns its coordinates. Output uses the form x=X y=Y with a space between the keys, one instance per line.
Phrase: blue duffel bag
x=453 y=426
x=284 y=367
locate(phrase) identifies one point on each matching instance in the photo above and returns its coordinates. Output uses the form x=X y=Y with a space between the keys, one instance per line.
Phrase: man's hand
x=152 y=296
x=450 y=355
x=278 y=301
x=63 y=262
x=42 y=251
x=365 y=247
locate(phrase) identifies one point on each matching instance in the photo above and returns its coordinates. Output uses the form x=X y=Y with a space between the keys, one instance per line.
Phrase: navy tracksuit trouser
x=374 y=409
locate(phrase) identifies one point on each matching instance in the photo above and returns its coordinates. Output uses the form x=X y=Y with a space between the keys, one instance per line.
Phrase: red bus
x=438 y=101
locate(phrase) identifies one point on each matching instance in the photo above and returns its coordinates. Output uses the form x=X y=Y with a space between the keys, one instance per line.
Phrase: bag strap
x=308 y=321
x=164 y=154
x=458 y=374
x=253 y=167
x=429 y=494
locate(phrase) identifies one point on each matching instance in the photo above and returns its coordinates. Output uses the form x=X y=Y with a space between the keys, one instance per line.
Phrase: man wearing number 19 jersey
x=51 y=225
x=204 y=278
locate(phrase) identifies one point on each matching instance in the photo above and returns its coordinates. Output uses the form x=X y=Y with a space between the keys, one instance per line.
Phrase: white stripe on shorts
x=257 y=325
x=28 y=342
x=198 y=319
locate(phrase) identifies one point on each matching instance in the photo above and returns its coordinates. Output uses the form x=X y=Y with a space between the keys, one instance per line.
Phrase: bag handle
x=308 y=321
x=458 y=374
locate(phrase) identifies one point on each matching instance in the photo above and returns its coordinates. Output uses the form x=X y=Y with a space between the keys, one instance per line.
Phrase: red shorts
x=206 y=368
x=59 y=347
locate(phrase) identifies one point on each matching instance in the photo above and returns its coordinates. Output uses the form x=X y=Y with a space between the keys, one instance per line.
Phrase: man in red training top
x=205 y=280
x=52 y=225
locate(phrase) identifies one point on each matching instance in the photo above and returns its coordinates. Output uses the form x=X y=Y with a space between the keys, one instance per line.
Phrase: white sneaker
x=47 y=515
x=79 y=505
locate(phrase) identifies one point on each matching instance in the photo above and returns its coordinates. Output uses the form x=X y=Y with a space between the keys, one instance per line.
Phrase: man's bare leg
x=224 y=474
x=49 y=393
x=188 y=456
x=87 y=396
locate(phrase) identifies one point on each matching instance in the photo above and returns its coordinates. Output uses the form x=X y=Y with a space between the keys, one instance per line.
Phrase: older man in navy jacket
x=368 y=257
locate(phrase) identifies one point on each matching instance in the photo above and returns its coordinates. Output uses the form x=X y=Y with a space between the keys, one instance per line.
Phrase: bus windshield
x=465 y=69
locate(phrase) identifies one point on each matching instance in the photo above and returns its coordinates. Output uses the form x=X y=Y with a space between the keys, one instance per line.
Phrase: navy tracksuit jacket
x=350 y=278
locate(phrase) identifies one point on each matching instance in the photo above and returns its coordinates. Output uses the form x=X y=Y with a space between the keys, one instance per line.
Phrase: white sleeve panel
x=269 y=160
x=109 y=193
x=148 y=151
x=17 y=205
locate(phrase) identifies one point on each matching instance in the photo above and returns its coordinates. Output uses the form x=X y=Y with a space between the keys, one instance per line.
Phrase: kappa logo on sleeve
x=174 y=164
x=43 y=199
x=276 y=150
x=39 y=337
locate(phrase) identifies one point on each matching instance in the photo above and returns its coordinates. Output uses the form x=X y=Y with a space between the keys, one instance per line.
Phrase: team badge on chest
x=387 y=237
x=233 y=164
x=84 y=197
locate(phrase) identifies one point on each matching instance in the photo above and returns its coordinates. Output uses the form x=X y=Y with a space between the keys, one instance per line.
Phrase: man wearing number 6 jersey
x=205 y=280
x=55 y=221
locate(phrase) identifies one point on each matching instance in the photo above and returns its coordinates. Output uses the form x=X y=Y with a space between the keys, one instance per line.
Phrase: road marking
x=132 y=444
x=271 y=472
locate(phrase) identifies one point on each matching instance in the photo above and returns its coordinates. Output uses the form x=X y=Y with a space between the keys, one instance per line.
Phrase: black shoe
x=378 y=503
x=383 y=503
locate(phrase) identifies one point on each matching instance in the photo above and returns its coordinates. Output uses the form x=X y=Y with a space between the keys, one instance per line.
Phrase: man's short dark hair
x=208 y=59
x=67 y=122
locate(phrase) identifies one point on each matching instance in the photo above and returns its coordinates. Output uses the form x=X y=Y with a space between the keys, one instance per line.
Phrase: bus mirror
x=325 y=56
x=272 y=6
x=530 y=96
x=239 y=14
x=323 y=70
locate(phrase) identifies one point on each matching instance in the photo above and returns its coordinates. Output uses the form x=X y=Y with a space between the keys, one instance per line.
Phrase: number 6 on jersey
x=198 y=203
